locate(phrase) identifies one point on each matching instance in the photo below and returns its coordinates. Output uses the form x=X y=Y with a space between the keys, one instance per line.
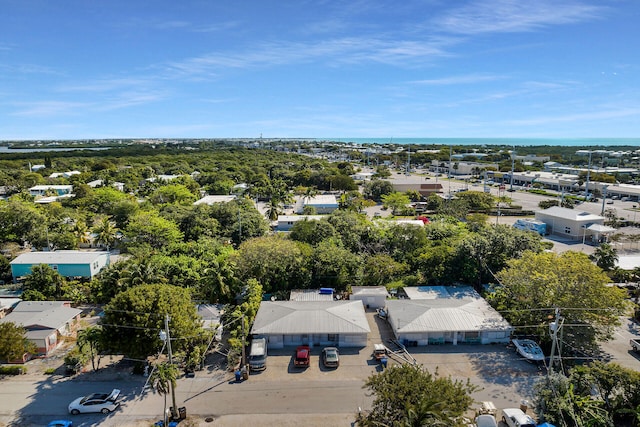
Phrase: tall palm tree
x=81 y=231
x=106 y=231
x=163 y=379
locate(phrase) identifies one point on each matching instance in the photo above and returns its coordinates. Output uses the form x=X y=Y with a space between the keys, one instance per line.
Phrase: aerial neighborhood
x=157 y=282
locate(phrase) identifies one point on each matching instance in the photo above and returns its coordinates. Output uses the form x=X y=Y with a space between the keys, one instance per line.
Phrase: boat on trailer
x=529 y=349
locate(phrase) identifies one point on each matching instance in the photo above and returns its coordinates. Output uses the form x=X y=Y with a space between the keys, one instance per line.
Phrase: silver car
x=96 y=402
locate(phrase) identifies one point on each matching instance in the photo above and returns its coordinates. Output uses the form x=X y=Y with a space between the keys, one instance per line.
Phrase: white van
x=514 y=417
x=258 y=354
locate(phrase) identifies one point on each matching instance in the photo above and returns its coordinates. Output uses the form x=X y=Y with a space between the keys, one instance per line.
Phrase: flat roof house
x=45 y=321
x=314 y=323
x=323 y=203
x=286 y=222
x=445 y=314
x=67 y=263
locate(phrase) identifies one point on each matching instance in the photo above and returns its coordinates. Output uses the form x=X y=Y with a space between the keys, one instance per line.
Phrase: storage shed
x=371 y=296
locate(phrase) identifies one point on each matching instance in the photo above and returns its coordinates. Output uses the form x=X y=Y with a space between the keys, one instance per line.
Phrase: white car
x=96 y=402
x=514 y=417
x=486 y=421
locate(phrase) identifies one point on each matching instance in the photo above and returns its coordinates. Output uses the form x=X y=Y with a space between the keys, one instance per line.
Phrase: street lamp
x=604 y=198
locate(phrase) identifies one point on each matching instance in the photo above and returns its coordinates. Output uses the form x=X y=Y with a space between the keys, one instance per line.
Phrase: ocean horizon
x=521 y=142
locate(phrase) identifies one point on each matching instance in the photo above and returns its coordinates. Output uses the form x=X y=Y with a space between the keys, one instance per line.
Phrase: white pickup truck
x=635 y=344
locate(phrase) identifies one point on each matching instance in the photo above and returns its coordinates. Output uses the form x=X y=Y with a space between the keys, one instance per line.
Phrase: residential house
x=46 y=322
x=445 y=314
x=85 y=264
x=314 y=323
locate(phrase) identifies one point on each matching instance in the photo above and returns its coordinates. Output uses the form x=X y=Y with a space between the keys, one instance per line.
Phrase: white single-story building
x=59 y=190
x=323 y=203
x=286 y=222
x=371 y=296
x=574 y=224
x=213 y=199
x=446 y=314
x=314 y=323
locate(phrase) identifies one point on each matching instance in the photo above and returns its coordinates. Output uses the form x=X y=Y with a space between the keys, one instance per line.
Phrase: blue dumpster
x=238 y=375
x=384 y=362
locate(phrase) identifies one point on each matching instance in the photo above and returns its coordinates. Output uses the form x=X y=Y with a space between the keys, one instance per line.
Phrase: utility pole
x=586 y=185
x=243 y=361
x=174 y=408
x=513 y=162
x=554 y=328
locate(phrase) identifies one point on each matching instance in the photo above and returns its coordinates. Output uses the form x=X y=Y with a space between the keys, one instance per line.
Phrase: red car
x=303 y=356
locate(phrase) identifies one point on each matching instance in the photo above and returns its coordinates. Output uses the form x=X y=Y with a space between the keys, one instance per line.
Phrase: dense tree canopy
x=134 y=318
x=409 y=395
x=535 y=284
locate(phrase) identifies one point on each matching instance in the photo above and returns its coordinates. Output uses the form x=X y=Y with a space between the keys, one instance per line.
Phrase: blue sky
x=295 y=68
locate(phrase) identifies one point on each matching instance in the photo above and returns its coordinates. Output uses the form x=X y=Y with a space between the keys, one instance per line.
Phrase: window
x=54 y=267
x=567 y=230
x=332 y=337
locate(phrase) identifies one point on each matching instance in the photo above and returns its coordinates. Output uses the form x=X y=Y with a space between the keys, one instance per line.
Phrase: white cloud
x=456 y=80
x=335 y=51
x=49 y=108
x=499 y=16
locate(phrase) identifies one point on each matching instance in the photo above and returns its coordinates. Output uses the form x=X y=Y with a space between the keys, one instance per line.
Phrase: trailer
x=635 y=344
x=531 y=225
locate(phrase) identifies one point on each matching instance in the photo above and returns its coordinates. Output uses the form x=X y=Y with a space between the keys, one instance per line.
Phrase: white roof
x=444 y=309
x=600 y=228
x=58 y=257
x=572 y=214
x=296 y=218
x=51 y=187
x=321 y=200
x=210 y=200
x=369 y=290
x=310 y=317
x=309 y=295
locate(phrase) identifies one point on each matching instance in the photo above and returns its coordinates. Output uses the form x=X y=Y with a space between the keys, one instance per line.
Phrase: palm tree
x=91 y=337
x=273 y=209
x=605 y=256
x=106 y=231
x=80 y=230
x=163 y=378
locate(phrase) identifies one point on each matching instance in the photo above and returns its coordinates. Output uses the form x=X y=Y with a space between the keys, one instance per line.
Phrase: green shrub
x=13 y=370
x=50 y=371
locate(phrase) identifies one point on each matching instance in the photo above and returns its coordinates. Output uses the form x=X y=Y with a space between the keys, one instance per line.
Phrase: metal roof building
x=371 y=296
x=68 y=263
x=446 y=314
x=45 y=322
x=315 y=323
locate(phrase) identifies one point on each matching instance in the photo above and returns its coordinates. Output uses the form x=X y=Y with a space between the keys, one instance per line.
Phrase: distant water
x=522 y=142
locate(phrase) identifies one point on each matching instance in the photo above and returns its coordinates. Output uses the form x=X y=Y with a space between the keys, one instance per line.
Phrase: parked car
x=303 y=356
x=331 y=357
x=486 y=421
x=60 y=423
x=96 y=402
x=514 y=417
